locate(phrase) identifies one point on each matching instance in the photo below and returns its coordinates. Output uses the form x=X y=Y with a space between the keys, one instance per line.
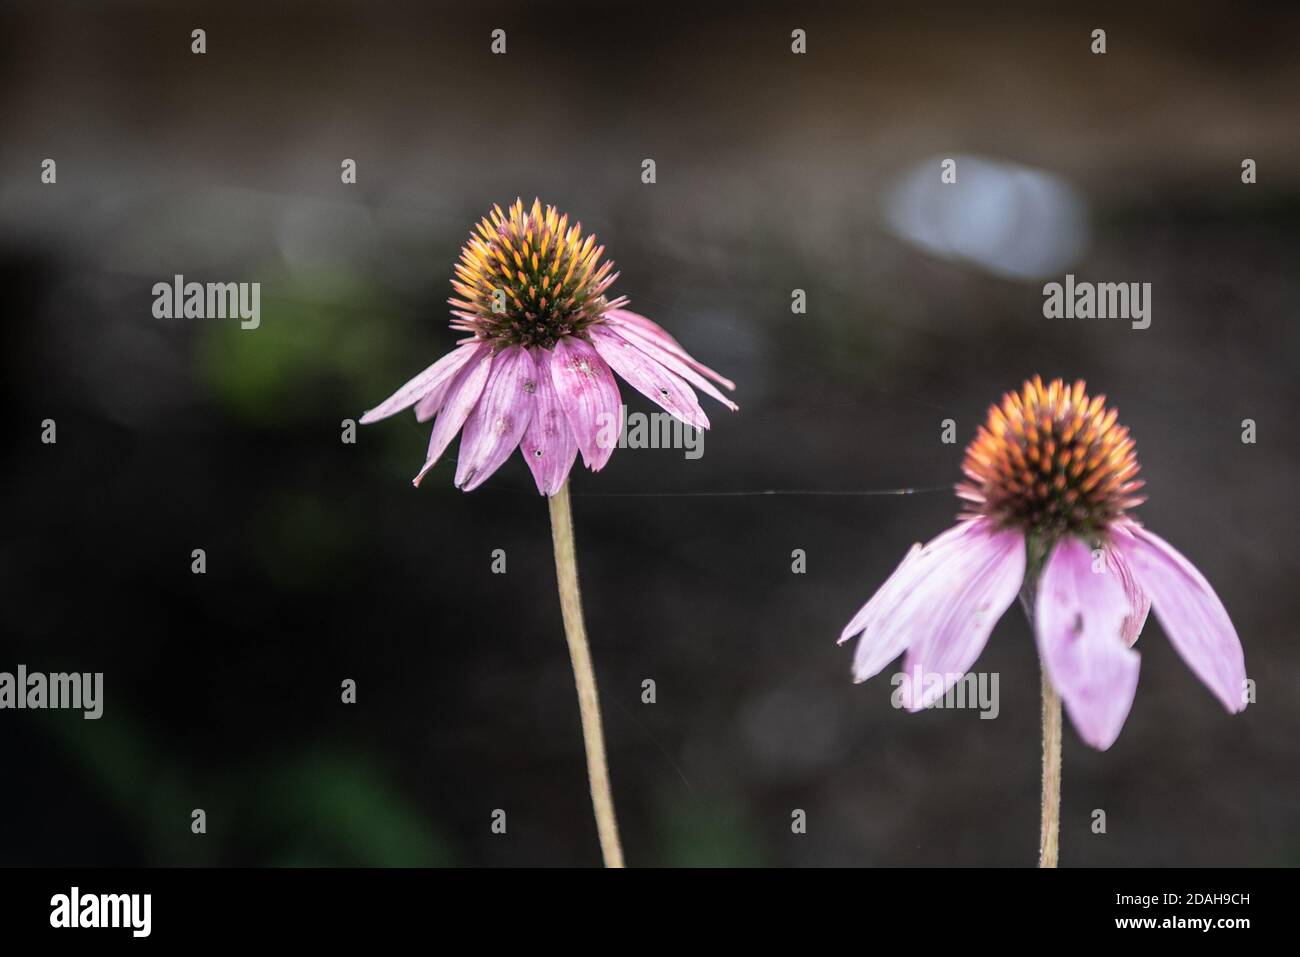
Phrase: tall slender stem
x=1049 y=835
x=575 y=632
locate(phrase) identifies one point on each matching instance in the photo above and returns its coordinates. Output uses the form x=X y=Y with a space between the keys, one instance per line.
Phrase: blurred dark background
x=775 y=171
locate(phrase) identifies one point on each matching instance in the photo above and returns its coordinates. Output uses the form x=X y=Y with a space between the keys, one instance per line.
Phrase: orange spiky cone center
x=1051 y=460
x=526 y=277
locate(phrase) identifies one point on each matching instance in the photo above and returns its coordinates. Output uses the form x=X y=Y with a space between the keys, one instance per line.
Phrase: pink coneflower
x=537 y=373
x=537 y=370
x=1050 y=478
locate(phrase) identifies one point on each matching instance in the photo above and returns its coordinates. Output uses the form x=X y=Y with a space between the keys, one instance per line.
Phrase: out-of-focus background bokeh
x=775 y=172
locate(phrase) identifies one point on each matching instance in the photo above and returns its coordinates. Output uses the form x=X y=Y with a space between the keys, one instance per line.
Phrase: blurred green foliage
x=328 y=336
x=717 y=834
x=318 y=808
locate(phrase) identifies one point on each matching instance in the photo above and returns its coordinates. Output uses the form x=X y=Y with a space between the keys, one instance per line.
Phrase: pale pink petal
x=634 y=324
x=494 y=428
x=428 y=407
x=884 y=597
x=1190 y=612
x=645 y=326
x=461 y=399
x=548 y=445
x=589 y=397
x=951 y=613
x=1139 y=602
x=670 y=361
x=883 y=621
x=650 y=378
x=438 y=374
x=1080 y=615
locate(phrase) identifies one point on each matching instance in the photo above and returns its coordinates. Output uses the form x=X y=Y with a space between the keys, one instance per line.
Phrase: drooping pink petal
x=589 y=397
x=1080 y=615
x=649 y=377
x=885 y=597
x=638 y=325
x=438 y=374
x=1190 y=612
x=883 y=621
x=670 y=361
x=428 y=407
x=461 y=399
x=1139 y=602
x=548 y=445
x=498 y=421
x=953 y=610
x=649 y=327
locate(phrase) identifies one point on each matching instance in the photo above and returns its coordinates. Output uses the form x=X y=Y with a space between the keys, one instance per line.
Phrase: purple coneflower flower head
x=536 y=371
x=1049 y=480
